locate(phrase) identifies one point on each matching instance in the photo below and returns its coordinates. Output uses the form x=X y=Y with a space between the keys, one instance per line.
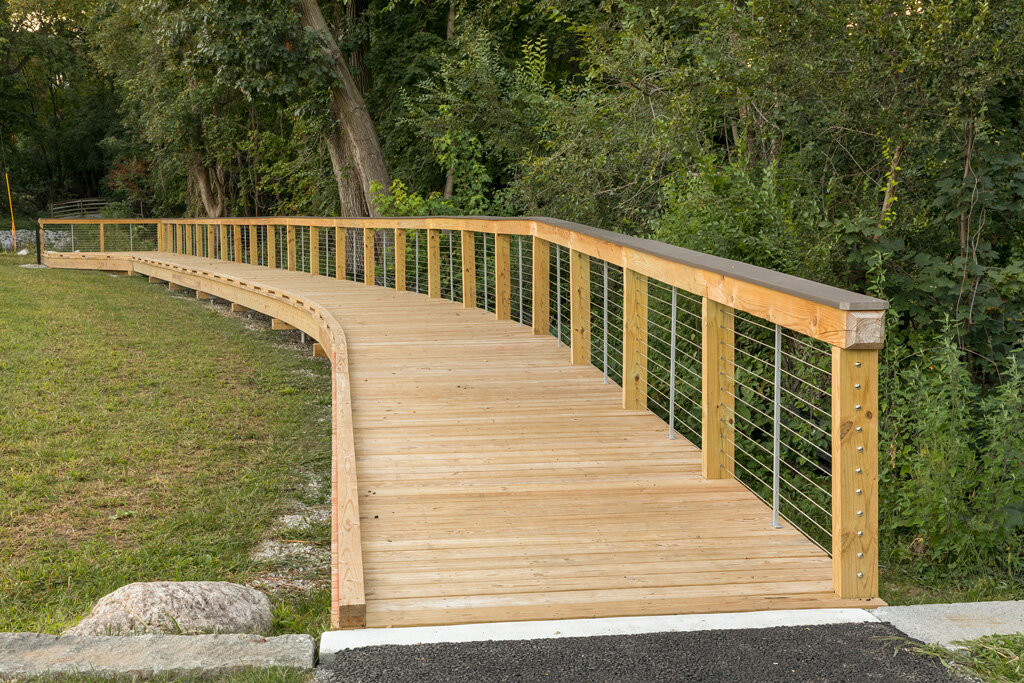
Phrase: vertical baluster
x=290 y=238
x=579 y=307
x=558 y=295
x=541 y=286
x=604 y=282
x=777 y=427
x=717 y=390
x=434 y=263
x=400 y=259
x=468 y=269
x=855 y=472
x=451 y=264
x=502 y=278
x=634 y=342
x=314 y=250
x=519 y=268
x=672 y=367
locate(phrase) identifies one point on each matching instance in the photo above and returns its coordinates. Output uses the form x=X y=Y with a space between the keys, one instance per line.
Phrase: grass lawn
x=147 y=436
x=995 y=659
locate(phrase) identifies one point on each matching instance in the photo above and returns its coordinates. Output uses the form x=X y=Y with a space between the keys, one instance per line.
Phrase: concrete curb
x=24 y=655
x=947 y=623
x=333 y=642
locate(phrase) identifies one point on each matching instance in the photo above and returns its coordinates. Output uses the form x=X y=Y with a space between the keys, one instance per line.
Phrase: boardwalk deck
x=498 y=482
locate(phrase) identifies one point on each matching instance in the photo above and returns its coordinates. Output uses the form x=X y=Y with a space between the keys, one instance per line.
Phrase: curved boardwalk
x=498 y=482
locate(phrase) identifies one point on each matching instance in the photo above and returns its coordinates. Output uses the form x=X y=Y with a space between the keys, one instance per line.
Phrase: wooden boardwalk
x=498 y=482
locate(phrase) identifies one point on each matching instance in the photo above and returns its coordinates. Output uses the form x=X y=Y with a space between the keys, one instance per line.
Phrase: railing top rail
x=576 y=235
x=97 y=221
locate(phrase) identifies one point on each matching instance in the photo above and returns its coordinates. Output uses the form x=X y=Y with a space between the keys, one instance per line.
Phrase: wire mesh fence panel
x=560 y=308
x=521 y=273
x=416 y=260
x=606 y=291
x=782 y=433
x=354 y=254
x=485 y=271
x=450 y=249
x=673 y=355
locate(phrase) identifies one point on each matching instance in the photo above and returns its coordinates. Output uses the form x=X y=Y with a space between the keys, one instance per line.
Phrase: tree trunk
x=211 y=187
x=353 y=116
x=349 y=191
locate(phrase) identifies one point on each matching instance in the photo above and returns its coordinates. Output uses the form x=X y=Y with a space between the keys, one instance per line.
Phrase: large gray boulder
x=186 y=607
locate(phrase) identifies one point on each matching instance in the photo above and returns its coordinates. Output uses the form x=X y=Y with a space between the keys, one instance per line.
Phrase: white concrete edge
x=332 y=642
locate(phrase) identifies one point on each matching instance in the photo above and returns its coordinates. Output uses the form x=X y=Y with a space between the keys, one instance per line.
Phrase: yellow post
x=433 y=264
x=541 y=293
x=579 y=291
x=314 y=250
x=399 y=259
x=290 y=237
x=369 y=258
x=502 y=277
x=634 y=341
x=102 y=243
x=717 y=389
x=236 y=233
x=211 y=241
x=340 y=253
x=254 y=245
x=468 y=269
x=271 y=246
x=855 y=472
x=225 y=250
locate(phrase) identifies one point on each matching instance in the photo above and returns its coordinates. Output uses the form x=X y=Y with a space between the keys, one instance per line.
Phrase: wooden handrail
x=852 y=324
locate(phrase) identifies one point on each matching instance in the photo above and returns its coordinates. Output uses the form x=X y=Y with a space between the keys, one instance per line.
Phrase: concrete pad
x=35 y=654
x=946 y=623
x=333 y=642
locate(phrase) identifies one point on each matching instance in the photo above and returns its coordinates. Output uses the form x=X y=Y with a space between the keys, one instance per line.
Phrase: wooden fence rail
x=647 y=313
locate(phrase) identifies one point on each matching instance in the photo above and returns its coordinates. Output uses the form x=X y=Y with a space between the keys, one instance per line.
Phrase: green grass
x=905 y=585
x=144 y=436
x=994 y=659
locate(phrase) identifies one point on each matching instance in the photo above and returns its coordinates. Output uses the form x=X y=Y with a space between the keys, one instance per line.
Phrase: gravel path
x=847 y=652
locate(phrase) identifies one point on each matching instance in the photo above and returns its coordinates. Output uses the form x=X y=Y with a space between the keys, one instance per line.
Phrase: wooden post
x=634 y=341
x=102 y=246
x=188 y=238
x=717 y=390
x=369 y=257
x=314 y=250
x=433 y=263
x=468 y=269
x=502 y=277
x=399 y=259
x=271 y=246
x=225 y=251
x=254 y=245
x=236 y=233
x=198 y=240
x=541 y=278
x=855 y=472
x=211 y=246
x=340 y=253
x=579 y=290
x=290 y=238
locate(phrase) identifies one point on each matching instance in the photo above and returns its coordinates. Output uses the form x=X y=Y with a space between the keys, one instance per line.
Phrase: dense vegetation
x=873 y=144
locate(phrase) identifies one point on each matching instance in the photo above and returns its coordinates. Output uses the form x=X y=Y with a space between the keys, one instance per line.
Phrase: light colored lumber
x=369 y=257
x=318 y=351
x=634 y=341
x=541 y=293
x=175 y=287
x=314 y=250
x=290 y=241
x=718 y=387
x=254 y=246
x=579 y=294
x=225 y=249
x=434 y=264
x=502 y=277
x=211 y=246
x=238 y=308
x=276 y=324
x=855 y=472
x=400 y=239
x=271 y=246
x=468 y=269
x=202 y=296
x=340 y=253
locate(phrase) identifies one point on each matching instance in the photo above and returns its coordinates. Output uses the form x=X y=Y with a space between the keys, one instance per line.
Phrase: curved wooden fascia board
x=348 y=597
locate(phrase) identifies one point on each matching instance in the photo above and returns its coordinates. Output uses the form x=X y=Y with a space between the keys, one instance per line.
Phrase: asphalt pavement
x=841 y=652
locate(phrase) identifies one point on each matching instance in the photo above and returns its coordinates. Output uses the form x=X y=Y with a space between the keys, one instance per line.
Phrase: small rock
x=23 y=252
x=185 y=607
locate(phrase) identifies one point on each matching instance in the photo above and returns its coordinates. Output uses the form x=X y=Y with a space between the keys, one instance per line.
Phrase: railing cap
x=817 y=292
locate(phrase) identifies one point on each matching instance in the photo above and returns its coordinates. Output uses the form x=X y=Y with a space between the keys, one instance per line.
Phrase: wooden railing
x=78 y=207
x=773 y=376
